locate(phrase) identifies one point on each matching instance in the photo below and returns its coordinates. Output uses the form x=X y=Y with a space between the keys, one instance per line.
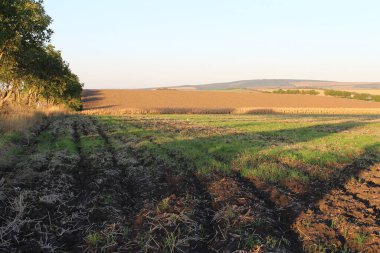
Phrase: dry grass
x=252 y=110
x=22 y=119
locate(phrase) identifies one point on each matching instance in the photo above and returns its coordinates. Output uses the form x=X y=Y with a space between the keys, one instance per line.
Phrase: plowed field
x=192 y=183
x=173 y=99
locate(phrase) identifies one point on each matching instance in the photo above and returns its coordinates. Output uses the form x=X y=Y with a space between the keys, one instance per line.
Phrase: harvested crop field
x=167 y=101
x=192 y=183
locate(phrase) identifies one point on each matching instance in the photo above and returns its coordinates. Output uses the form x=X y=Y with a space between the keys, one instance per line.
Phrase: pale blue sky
x=146 y=43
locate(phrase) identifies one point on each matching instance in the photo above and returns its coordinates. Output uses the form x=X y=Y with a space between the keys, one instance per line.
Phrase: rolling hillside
x=280 y=83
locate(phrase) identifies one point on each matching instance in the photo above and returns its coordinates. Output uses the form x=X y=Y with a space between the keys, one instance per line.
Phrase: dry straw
x=247 y=110
x=22 y=119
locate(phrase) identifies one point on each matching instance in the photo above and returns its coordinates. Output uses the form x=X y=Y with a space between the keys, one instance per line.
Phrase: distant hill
x=279 y=83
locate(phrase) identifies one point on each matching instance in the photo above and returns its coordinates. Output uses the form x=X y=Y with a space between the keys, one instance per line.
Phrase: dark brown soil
x=345 y=218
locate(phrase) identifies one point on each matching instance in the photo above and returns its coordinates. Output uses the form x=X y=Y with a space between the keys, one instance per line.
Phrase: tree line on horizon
x=32 y=71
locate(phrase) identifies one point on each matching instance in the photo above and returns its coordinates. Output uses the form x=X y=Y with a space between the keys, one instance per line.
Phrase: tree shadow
x=91 y=95
x=221 y=151
x=231 y=145
x=100 y=107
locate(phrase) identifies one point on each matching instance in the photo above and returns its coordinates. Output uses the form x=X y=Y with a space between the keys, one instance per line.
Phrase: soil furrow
x=283 y=212
x=205 y=211
x=106 y=140
x=45 y=194
x=80 y=173
x=363 y=201
x=176 y=194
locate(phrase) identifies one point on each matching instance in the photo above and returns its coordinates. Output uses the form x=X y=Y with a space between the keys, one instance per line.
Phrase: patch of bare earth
x=345 y=219
x=242 y=220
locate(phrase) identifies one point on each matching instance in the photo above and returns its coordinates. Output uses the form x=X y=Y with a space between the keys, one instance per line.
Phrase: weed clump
x=94 y=239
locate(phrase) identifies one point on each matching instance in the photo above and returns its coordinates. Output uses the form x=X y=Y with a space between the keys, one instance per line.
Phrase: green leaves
x=28 y=64
x=23 y=22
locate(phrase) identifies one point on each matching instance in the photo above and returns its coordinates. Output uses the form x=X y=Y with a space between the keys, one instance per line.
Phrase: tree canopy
x=32 y=71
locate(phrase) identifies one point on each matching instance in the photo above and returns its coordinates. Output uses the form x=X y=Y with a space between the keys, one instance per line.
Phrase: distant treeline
x=334 y=93
x=32 y=71
x=353 y=95
x=295 y=91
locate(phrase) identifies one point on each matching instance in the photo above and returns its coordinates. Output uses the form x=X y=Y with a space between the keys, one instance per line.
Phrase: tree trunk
x=2 y=50
x=18 y=96
x=5 y=97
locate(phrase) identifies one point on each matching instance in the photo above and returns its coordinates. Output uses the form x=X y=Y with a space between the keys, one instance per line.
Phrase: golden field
x=250 y=102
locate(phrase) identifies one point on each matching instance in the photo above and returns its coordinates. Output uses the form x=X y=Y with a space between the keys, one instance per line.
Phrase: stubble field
x=192 y=183
x=245 y=102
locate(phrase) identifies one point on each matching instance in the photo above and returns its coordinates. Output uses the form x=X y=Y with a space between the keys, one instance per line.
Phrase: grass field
x=192 y=183
x=248 y=102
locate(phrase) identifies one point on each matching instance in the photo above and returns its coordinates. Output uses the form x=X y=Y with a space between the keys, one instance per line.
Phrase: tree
x=8 y=79
x=50 y=75
x=29 y=67
x=23 y=22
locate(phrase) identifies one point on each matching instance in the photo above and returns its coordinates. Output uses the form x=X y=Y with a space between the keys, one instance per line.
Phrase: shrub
x=296 y=91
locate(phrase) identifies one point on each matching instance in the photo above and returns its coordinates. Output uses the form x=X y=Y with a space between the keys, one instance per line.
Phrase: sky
x=153 y=43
